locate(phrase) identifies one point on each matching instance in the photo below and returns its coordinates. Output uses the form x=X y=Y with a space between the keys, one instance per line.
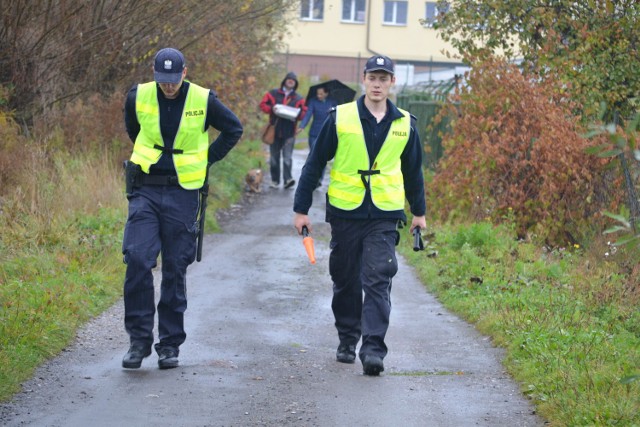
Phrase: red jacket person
x=286 y=126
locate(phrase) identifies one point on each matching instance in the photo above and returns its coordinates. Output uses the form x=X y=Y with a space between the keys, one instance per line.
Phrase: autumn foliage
x=592 y=45
x=516 y=152
x=67 y=68
x=55 y=52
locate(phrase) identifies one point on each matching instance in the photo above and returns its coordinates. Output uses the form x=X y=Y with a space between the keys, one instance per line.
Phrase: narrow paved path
x=260 y=350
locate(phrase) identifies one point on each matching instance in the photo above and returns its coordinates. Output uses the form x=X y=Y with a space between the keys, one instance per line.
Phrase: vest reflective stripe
x=346 y=188
x=192 y=139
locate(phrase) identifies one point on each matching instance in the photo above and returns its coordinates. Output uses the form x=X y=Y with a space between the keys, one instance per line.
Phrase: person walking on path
x=318 y=110
x=167 y=120
x=377 y=162
x=286 y=129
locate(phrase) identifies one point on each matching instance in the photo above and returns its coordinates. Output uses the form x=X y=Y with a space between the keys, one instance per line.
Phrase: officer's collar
x=184 y=87
x=392 y=111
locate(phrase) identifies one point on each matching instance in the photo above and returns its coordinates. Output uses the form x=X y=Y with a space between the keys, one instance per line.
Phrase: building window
x=312 y=10
x=353 y=10
x=395 y=12
x=433 y=10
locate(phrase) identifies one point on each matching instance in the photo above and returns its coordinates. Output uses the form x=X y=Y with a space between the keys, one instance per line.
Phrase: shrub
x=91 y=122
x=516 y=152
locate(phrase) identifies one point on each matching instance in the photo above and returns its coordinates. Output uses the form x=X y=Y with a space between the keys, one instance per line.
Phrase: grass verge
x=567 y=318
x=49 y=290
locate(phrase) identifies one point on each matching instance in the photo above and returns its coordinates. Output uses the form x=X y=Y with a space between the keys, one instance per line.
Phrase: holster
x=399 y=226
x=133 y=174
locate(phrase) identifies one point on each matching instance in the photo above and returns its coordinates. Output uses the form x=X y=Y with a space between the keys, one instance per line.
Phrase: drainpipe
x=368 y=4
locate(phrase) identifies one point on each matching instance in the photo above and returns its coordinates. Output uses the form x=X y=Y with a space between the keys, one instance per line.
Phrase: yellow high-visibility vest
x=191 y=145
x=351 y=167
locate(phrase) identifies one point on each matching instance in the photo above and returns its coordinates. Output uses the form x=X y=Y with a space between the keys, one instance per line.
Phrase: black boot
x=346 y=353
x=167 y=357
x=372 y=365
x=133 y=358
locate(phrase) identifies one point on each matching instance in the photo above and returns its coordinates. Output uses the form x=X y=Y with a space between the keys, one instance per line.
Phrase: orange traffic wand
x=307 y=241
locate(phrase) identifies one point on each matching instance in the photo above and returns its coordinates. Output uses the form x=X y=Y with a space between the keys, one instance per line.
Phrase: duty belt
x=146 y=179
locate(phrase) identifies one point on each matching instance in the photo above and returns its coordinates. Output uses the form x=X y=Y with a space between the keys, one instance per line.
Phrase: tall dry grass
x=70 y=165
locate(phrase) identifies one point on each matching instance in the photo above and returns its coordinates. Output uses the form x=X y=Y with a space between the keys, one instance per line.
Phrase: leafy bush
x=516 y=152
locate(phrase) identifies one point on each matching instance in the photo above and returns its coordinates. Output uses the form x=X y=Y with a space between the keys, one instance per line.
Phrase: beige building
x=333 y=39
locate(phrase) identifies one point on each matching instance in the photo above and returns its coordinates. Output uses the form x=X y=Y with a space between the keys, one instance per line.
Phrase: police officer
x=167 y=120
x=377 y=162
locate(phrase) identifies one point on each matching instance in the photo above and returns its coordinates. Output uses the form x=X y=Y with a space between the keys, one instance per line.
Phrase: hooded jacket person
x=286 y=127
x=286 y=96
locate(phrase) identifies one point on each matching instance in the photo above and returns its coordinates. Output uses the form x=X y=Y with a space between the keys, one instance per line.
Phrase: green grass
x=569 y=323
x=48 y=291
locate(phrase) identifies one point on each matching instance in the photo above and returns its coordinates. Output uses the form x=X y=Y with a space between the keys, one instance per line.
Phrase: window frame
x=310 y=12
x=353 y=12
x=394 y=21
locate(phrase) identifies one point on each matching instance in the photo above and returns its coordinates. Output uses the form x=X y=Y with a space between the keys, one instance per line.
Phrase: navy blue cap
x=379 y=63
x=168 y=66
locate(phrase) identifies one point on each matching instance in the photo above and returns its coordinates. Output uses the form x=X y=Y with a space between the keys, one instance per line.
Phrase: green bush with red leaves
x=516 y=152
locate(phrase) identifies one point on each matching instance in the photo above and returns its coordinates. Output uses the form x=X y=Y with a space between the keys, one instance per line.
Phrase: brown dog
x=254 y=180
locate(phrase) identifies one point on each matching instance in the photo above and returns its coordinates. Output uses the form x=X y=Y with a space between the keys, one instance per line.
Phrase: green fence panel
x=430 y=130
x=425 y=102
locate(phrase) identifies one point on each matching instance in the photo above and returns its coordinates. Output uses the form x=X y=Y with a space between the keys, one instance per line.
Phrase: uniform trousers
x=363 y=262
x=162 y=220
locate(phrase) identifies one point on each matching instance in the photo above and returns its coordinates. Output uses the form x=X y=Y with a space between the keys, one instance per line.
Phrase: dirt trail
x=260 y=349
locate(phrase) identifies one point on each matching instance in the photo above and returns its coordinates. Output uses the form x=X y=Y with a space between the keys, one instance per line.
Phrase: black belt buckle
x=173 y=180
